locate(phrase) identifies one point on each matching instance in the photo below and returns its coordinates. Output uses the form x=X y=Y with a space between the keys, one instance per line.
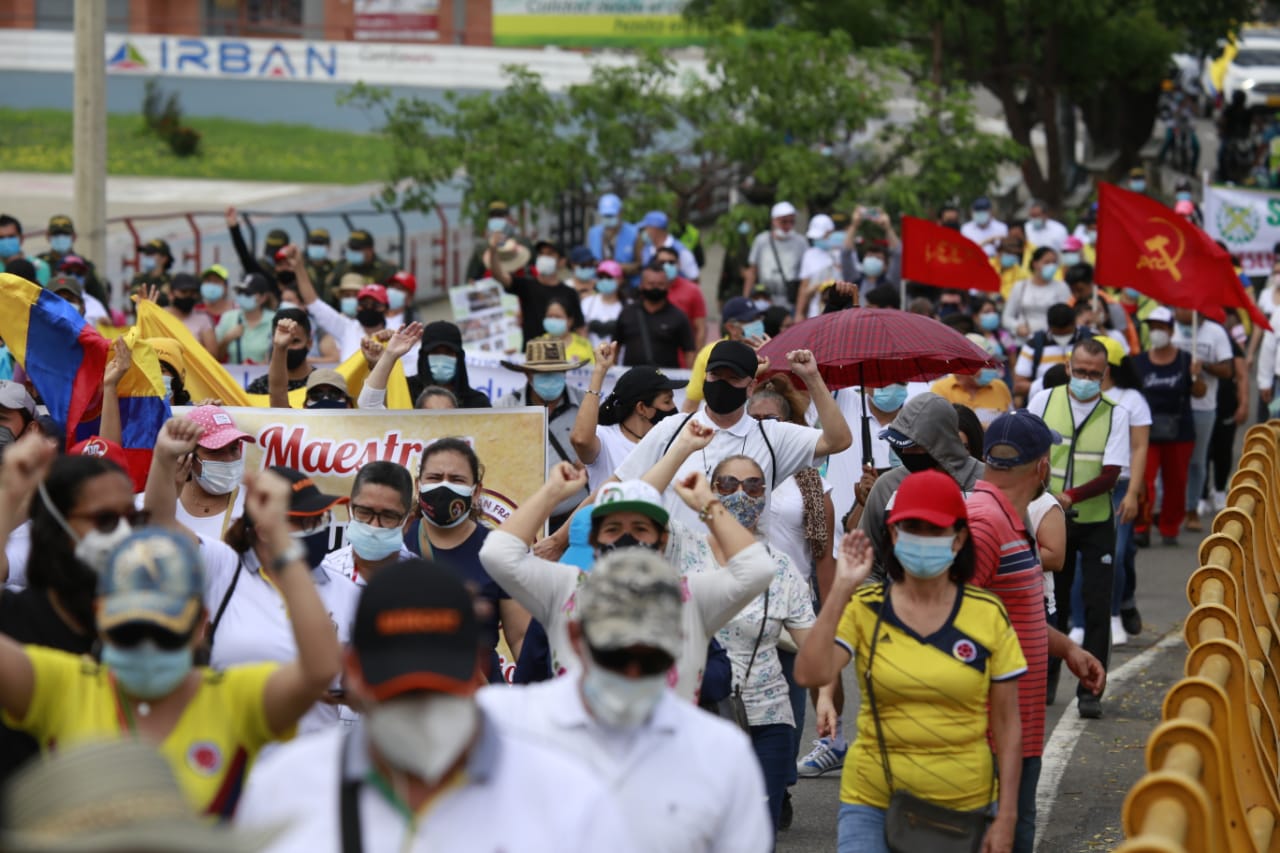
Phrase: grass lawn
x=40 y=141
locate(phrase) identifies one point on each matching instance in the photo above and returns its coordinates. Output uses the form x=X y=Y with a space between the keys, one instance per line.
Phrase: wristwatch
x=294 y=553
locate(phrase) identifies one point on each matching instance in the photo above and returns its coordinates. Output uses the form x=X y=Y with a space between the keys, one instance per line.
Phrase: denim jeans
x=799 y=699
x=1024 y=833
x=860 y=829
x=1199 y=455
x=775 y=749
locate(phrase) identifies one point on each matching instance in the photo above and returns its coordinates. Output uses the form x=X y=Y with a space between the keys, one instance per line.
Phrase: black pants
x=1221 y=452
x=1095 y=545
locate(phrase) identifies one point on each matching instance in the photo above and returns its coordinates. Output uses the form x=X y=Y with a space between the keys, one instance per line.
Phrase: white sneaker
x=823 y=758
x=1219 y=501
x=1118 y=636
x=1205 y=508
x=1076 y=635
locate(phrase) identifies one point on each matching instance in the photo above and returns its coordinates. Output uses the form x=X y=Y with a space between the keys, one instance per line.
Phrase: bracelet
x=593 y=391
x=704 y=514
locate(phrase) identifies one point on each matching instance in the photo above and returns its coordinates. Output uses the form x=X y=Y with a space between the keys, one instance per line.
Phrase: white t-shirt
x=17 y=550
x=1132 y=401
x=1029 y=303
x=595 y=309
x=94 y=311
x=615 y=447
x=1036 y=511
x=977 y=233
x=342 y=562
x=347 y=331
x=783 y=523
x=771 y=443
x=212 y=527
x=817 y=265
x=844 y=469
x=1212 y=346
x=1117 y=449
x=1050 y=354
x=1051 y=235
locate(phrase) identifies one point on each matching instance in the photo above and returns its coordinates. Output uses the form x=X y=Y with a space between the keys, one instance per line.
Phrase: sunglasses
x=651 y=662
x=136 y=633
x=727 y=485
x=325 y=392
x=107 y=520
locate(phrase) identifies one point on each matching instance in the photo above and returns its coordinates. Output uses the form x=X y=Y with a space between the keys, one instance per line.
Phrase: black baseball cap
x=156 y=247
x=360 y=239
x=734 y=355
x=416 y=630
x=276 y=238
x=184 y=281
x=318 y=236
x=641 y=383
x=441 y=333
x=255 y=282
x=307 y=498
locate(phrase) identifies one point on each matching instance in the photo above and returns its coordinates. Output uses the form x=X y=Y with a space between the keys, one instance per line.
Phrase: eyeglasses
x=379 y=518
x=309 y=524
x=1088 y=374
x=652 y=662
x=134 y=634
x=107 y=520
x=727 y=485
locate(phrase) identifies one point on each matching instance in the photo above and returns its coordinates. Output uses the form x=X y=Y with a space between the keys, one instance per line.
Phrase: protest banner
x=1247 y=222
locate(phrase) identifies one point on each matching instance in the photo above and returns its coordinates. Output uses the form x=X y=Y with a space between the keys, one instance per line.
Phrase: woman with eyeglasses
x=751 y=637
x=209 y=724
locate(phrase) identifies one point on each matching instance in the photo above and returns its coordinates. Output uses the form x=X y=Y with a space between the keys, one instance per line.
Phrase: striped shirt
x=1007 y=564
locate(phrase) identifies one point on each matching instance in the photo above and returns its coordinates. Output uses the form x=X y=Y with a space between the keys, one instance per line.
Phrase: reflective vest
x=1078 y=459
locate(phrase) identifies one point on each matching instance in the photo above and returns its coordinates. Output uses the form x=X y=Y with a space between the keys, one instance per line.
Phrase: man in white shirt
x=1213 y=351
x=984 y=229
x=774 y=259
x=372 y=305
x=425 y=768
x=1041 y=230
x=685 y=780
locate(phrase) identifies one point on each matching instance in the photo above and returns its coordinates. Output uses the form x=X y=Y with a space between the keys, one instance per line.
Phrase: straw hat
x=511 y=255
x=109 y=796
x=542 y=357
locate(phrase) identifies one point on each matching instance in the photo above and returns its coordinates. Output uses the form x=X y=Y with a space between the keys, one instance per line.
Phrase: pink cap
x=375 y=292
x=1184 y=208
x=613 y=269
x=103 y=449
x=1072 y=244
x=219 y=429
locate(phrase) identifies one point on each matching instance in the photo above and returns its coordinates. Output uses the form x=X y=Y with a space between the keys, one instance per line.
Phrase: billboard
x=593 y=23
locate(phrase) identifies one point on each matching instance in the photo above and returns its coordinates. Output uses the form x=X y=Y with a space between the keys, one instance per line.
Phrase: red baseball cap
x=219 y=429
x=405 y=279
x=930 y=496
x=376 y=292
x=98 y=446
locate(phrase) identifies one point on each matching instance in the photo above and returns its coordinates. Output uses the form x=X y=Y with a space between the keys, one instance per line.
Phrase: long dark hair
x=52 y=565
x=615 y=410
x=962 y=569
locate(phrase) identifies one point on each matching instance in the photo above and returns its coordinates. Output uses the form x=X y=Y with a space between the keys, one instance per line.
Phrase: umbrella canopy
x=874 y=347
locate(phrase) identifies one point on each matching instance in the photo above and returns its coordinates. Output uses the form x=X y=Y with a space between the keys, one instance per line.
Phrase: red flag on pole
x=943 y=257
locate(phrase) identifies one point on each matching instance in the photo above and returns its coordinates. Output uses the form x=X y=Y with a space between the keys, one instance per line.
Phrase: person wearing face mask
x=1010 y=262
x=507 y=261
x=212 y=495
x=244 y=333
x=426 y=766
x=986 y=318
x=71 y=290
x=821 y=262
x=155 y=259
x=62 y=235
x=95 y=311
x=775 y=257
x=740 y=320
x=652 y=330
x=1209 y=346
x=358 y=257
x=1046 y=348
x=381 y=505
x=626 y=632
x=319 y=264
x=555 y=326
x=442 y=361
x=923 y=436
x=1026 y=310
x=655 y=233
x=601 y=308
x=186 y=296
x=499 y=228
x=1084 y=472
x=851 y=480
x=291 y=341
x=983 y=228
x=1170 y=380
x=985 y=391
x=612 y=238
x=1043 y=230
x=372 y=309
x=401 y=288
x=582 y=268
x=606 y=431
x=685 y=295
x=900 y=634
x=326 y=389
x=209 y=725
x=1079 y=277
x=215 y=295
x=17 y=411
x=12 y=259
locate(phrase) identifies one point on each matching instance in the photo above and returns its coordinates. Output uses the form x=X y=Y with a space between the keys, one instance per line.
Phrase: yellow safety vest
x=1078 y=459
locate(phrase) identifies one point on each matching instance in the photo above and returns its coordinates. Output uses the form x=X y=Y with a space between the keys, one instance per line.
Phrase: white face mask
x=618 y=701
x=545 y=265
x=423 y=734
x=1160 y=338
x=94 y=547
x=220 y=478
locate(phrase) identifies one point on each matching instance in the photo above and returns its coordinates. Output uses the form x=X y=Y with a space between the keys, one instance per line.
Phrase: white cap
x=820 y=226
x=1160 y=315
x=782 y=208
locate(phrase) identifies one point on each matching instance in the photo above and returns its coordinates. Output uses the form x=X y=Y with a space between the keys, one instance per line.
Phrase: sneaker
x=823 y=758
x=1131 y=621
x=1118 y=635
x=1169 y=541
x=1192 y=523
x=1142 y=538
x=787 y=814
x=1089 y=706
x=1076 y=635
x=1219 y=500
x=1205 y=507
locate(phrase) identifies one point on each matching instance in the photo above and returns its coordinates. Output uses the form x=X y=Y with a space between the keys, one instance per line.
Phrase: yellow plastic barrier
x=1212 y=764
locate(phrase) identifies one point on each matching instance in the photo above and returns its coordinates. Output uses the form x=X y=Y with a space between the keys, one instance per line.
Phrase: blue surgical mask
x=1138 y=186
x=10 y=246
x=982 y=217
x=147 y=263
x=247 y=301
x=873 y=266
x=606 y=285
x=831 y=242
x=373 y=543
x=989 y=321
x=987 y=375
x=548 y=386
x=1084 y=389
x=442 y=367
x=609 y=221
x=1182 y=196
x=60 y=243
x=349 y=305
x=497 y=223
x=754 y=329
x=672 y=270
x=1132 y=294
x=924 y=557
x=168 y=385
x=1071 y=258
x=584 y=273
x=212 y=292
x=555 y=326
x=395 y=298
x=744 y=228
x=285 y=303
x=317 y=252
x=744 y=508
x=355 y=257
x=889 y=398
x=1008 y=260
x=1048 y=271
x=146 y=671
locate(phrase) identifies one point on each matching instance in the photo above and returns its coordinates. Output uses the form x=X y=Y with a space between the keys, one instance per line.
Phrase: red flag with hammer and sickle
x=943 y=257
x=1144 y=245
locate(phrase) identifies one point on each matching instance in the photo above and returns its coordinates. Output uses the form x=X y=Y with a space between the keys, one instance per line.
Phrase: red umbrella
x=874 y=347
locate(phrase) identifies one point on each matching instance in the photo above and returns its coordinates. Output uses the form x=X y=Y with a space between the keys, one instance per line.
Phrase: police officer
x=62 y=235
x=154 y=262
x=277 y=239
x=361 y=259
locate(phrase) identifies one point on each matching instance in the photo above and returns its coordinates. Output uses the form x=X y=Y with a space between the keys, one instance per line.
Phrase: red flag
x=943 y=257
x=1144 y=245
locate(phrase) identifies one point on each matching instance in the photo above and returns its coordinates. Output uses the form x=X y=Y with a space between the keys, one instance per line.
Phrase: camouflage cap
x=631 y=597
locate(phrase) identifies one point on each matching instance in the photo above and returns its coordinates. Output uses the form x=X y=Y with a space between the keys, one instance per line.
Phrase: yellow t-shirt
x=932 y=696
x=210 y=749
x=987 y=401
x=698 y=373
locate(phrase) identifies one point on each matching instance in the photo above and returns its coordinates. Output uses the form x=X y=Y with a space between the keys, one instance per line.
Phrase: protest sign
x=1247 y=222
x=486 y=315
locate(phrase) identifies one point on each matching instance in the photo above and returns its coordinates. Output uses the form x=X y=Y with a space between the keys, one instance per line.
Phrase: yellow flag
x=206 y=378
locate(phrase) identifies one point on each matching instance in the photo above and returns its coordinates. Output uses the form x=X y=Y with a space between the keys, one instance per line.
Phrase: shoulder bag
x=792 y=284
x=913 y=824
x=733 y=707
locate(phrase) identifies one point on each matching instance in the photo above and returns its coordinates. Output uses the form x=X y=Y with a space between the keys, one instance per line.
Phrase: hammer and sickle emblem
x=942 y=253
x=1161 y=258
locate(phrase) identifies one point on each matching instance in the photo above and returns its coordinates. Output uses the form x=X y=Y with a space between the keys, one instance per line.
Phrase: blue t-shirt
x=465 y=560
x=1167 y=389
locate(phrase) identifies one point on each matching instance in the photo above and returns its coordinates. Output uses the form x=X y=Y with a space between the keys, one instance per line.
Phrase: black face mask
x=917 y=462
x=626 y=540
x=444 y=507
x=653 y=294
x=185 y=304
x=286 y=276
x=369 y=317
x=317 y=547
x=295 y=358
x=325 y=404
x=661 y=414
x=723 y=398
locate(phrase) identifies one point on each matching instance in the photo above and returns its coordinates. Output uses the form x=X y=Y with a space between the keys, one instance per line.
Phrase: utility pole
x=89 y=132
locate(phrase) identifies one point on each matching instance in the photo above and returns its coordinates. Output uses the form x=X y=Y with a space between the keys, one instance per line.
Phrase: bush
x=163 y=117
